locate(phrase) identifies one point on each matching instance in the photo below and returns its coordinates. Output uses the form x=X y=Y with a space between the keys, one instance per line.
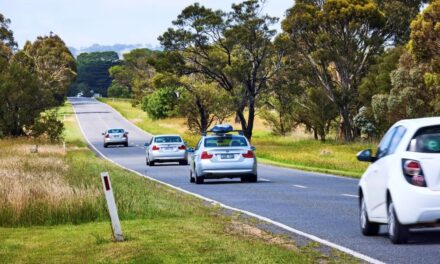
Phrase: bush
x=160 y=104
x=117 y=90
x=49 y=126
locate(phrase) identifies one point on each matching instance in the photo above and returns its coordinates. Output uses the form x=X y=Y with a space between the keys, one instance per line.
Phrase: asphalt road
x=324 y=206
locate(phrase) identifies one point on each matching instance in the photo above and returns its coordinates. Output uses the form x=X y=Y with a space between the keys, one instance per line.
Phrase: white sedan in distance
x=115 y=136
x=401 y=187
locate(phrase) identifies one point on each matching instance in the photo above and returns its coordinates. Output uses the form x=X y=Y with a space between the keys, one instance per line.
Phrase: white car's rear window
x=115 y=131
x=225 y=141
x=426 y=140
x=168 y=139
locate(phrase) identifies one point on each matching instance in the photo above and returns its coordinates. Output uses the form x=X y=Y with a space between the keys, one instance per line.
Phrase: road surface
x=320 y=205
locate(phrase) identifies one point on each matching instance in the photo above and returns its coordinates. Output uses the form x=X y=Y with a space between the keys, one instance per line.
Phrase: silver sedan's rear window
x=426 y=140
x=168 y=139
x=115 y=131
x=225 y=141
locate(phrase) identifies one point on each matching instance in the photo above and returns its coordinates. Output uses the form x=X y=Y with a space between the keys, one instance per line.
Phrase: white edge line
x=283 y=226
x=264 y=180
x=300 y=186
x=350 y=195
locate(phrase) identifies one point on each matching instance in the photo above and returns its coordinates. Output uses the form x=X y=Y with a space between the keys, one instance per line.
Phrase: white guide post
x=113 y=211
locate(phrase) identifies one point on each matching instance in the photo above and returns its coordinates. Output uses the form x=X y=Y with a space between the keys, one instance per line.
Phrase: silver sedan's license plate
x=227 y=156
x=168 y=148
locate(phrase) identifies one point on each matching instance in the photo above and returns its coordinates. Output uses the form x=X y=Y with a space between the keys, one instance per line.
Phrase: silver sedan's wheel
x=191 y=178
x=368 y=228
x=397 y=232
x=198 y=179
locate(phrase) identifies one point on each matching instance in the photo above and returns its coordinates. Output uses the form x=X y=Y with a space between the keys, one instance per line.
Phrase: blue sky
x=81 y=23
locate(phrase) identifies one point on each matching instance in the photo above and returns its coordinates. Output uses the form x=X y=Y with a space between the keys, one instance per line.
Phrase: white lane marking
x=264 y=180
x=262 y=218
x=314 y=174
x=300 y=186
x=350 y=195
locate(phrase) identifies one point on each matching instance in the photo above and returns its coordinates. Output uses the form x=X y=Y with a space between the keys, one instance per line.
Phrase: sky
x=81 y=23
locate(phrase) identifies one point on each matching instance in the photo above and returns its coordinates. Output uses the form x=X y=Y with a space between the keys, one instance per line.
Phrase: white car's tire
x=191 y=178
x=368 y=228
x=397 y=232
x=198 y=179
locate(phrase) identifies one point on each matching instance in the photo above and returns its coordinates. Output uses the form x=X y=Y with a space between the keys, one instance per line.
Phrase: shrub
x=161 y=103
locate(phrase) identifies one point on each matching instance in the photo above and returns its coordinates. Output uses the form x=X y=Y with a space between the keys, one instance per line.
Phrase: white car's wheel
x=368 y=228
x=191 y=178
x=198 y=179
x=397 y=232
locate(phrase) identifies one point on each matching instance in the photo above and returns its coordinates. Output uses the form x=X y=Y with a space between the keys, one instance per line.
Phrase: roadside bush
x=49 y=126
x=161 y=103
x=117 y=90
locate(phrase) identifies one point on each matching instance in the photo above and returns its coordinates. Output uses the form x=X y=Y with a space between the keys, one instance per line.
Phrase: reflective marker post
x=113 y=211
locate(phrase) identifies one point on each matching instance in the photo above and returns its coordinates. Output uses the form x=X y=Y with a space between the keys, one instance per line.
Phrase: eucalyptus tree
x=55 y=67
x=233 y=49
x=337 y=39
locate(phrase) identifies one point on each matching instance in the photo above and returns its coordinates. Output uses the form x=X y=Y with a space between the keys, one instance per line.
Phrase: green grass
x=294 y=151
x=184 y=240
x=161 y=225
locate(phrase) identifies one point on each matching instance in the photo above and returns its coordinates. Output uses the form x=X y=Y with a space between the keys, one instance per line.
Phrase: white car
x=166 y=148
x=401 y=187
x=115 y=136
x=223 y=155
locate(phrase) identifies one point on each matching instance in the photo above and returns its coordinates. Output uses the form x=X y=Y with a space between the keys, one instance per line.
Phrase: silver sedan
x=223 y=156
x=166 y=148
x=115 y=136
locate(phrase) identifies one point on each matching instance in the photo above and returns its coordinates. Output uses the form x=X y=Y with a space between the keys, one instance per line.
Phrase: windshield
x=226 y=141
x=114 y=131
x=168 y=139
x=426 y=140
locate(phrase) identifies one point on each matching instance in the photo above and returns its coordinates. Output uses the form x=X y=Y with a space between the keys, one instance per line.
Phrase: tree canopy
x=233 y=49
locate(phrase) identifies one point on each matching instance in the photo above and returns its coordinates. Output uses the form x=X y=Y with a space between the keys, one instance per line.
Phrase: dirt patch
x=247 y=230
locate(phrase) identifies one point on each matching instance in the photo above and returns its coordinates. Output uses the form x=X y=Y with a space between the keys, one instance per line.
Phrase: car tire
x=105 y=145
x=199 y=179
x=151 y=163
x=253 y=178
x=191 y=178
x=244 y=178
x=397 y=232
x=368 y=228
x=147 y=161
x=126 y=144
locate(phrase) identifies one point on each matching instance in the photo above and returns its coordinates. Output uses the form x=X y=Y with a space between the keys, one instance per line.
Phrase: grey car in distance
x=223 y=155
x=166 y=148
x=115 y=136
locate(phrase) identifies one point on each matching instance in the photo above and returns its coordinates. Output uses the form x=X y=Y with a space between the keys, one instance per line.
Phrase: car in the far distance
x=115 y=136
x=166 y=148
x=221 y=154
x=401 y=187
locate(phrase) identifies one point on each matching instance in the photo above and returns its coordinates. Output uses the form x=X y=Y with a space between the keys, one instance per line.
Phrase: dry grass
x=33 y=186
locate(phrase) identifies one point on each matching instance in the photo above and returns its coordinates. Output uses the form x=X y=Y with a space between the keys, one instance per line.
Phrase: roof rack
x=221 y=130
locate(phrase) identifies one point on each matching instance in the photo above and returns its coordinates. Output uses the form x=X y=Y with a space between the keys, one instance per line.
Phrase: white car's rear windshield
x=226 y=141
x=115 y=131
x=426 y=140
x=168 y=139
